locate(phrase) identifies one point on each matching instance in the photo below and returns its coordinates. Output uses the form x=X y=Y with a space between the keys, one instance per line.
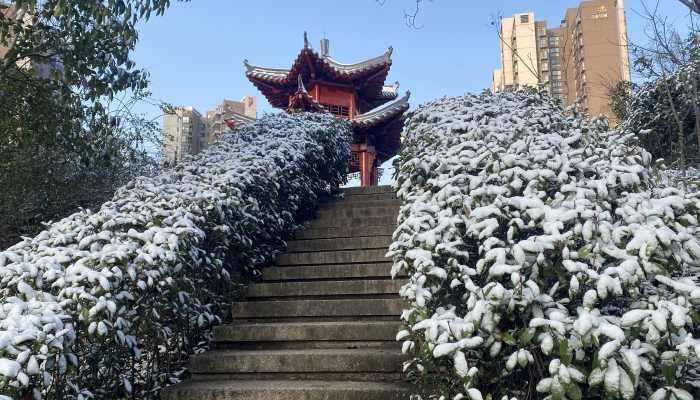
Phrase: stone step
x=344 y=232
x=286 y=390
x=315 y=308
x=347 y=331
x=349 y=203
x=333 y=257
x=387 y=220
x=360 y=191
x=307 y=361
x=331 y=271
x=356 y=212
x=367 y=242
x=324 y=288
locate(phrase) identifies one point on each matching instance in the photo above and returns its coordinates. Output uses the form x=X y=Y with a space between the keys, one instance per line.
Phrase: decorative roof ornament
x=306 y=41
x=300 y=84
x=248 y=67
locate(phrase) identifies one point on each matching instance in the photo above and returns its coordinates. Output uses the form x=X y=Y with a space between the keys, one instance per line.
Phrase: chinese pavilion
x=356 y=92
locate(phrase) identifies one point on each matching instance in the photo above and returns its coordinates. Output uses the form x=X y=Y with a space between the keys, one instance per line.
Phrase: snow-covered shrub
x=542 y=262
x=105 y=304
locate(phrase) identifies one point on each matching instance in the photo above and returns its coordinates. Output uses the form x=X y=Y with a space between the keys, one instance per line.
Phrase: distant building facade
x=577 y=61
x=235 y=112
x=43 y=69
x=187 y=131
x=184 y=132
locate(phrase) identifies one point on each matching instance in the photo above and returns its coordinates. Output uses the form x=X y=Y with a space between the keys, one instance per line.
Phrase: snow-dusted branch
x=107 y=304
x=542 y=261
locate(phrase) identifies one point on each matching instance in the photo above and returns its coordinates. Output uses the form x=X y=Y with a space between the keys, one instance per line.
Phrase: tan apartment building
x=578 y=61
x=184 y=132
x=187 y=131
x=236 y=112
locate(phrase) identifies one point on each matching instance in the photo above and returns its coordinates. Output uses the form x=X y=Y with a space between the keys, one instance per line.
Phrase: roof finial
x=247 y=65
x=396 y=83
x=389 y=51
x=306 y=41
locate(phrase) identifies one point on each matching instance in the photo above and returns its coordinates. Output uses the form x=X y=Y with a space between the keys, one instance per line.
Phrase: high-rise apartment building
x=187 y=131
x=578 y=61
x=235 y=112
x=184 y=132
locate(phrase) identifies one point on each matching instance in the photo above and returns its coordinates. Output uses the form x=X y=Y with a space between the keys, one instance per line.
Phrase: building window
x=544 y=54
x=340 y=111
x=542 y=31
x=543 y=42
x=545 y=66
x=524 y=19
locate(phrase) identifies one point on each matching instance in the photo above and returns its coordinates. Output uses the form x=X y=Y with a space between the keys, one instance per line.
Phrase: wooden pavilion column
x=368 y=170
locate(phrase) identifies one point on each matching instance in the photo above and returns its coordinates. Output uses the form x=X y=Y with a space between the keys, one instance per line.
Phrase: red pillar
x=368 y=172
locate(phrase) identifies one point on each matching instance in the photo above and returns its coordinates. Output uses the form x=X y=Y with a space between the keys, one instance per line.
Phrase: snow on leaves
x=101 y=303
x=542 y=260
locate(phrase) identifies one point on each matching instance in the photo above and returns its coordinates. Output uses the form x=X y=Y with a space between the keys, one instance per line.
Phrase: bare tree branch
x=409 y=16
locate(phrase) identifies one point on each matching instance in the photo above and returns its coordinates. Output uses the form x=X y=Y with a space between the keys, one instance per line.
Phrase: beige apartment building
x=187 y=131
x=236 y=112
x=578 y=61
x=184 y=132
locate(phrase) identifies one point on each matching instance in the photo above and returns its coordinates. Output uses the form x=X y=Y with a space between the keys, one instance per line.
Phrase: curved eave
x=276 y=83
x=382 y=115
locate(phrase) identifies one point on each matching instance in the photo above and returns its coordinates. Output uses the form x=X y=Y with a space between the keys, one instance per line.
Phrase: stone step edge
x=290 y=389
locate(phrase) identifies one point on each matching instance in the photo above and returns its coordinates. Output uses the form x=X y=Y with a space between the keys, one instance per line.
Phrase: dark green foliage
x=68 y=136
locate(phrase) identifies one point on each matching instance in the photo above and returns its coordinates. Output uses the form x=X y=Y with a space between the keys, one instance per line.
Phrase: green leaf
x=526 y=335
x=573 y=391
x=508 y=338
x=669 y=372
x=564 y=353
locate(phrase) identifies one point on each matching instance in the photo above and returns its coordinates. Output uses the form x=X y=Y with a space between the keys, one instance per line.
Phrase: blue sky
x=195 y=51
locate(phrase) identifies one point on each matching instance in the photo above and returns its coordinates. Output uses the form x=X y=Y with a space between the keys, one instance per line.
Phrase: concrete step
x=286 y=390
x=360 y=191
x=307 y=361
x=388 y=220
x=333 y=257
x=367 y=242
x=344 y=232
x=348 y=331
x=357 y=212
x=324 y=288
x=331 y=271
x=353 y=202
x=336 y=308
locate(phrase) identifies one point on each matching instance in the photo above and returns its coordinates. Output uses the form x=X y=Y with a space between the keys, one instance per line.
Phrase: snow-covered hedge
x=106 y=304
x=542 y=262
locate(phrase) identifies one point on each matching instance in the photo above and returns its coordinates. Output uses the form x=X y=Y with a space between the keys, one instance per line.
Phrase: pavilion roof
x=382 y=113
x=277 y=83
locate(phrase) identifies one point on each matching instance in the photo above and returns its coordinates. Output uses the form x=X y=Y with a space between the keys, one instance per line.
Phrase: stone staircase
x=322 y=323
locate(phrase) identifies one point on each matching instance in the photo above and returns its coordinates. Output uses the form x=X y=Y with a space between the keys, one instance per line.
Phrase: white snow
x=551 y=236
